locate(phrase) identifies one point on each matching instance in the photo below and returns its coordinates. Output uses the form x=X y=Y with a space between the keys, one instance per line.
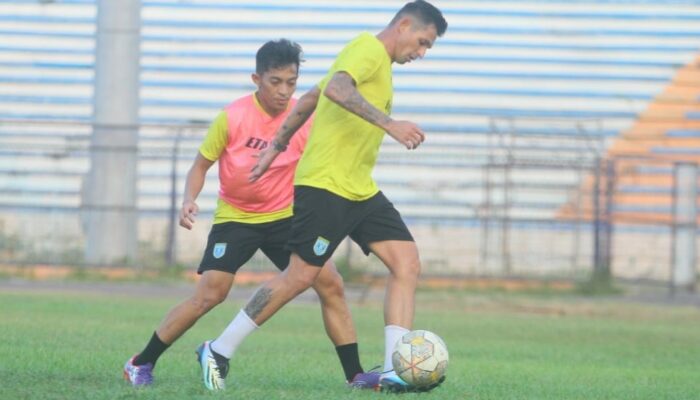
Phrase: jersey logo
x=256 y=143
x=219 y=250
x=321 y=246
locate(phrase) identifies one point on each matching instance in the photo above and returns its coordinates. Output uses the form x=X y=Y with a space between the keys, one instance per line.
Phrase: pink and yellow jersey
x=236 y=136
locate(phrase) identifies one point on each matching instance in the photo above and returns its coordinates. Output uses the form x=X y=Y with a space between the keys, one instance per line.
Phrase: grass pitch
x=72 y=345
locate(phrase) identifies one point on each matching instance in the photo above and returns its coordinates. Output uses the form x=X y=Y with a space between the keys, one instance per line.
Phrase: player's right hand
x=188 y=212
x=265 y=159
x=406 y=132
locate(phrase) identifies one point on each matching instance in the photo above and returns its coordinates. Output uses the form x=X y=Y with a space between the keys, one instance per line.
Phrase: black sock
x=350 y=360
x=153 y=350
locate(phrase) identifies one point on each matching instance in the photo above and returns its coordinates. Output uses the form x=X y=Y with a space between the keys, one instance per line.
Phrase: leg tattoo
x=259 y=301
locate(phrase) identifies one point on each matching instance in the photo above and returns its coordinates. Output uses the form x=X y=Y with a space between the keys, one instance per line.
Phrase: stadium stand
x=520 y=99
x=665 y=133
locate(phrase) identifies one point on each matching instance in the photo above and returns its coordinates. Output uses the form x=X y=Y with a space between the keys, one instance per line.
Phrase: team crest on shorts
x=321 y=246
x=219 y=250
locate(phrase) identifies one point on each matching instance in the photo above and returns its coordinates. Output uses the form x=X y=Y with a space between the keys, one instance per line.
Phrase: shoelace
x=143 y=374
x=223 y=370
x=359 y=383
x=375 y=368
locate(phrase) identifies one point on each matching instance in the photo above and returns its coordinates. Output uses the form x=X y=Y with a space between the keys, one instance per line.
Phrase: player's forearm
x=299 y=115
x=196 y=178
x=194 y=183
x=342 y=91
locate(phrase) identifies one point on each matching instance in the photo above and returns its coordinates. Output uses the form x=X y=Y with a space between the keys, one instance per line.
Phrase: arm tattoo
x=260 y=300
x=350 y=99
x=302 y=111
x=292 y=124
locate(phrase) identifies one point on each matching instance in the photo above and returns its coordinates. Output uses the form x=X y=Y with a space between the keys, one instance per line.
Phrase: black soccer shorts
x=232 y=244
x=323 y=219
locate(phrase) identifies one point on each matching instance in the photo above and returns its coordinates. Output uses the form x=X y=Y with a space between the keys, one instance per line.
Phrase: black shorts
x=323 y=219
x=232 y=244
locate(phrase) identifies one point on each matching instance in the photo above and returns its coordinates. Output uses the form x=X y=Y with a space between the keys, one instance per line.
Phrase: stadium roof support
x=109 y=197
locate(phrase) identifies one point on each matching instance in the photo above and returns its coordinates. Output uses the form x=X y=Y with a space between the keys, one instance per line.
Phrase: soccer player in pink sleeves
x=249 y=216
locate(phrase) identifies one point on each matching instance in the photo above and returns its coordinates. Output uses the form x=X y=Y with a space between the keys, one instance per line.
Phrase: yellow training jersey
x=342 y=148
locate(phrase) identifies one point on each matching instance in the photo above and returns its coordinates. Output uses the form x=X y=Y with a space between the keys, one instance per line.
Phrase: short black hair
x=276 y=54
x=425 y=13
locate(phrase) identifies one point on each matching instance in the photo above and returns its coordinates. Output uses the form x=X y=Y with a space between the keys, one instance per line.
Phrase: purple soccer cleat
x=138 y=375
x=366 y=380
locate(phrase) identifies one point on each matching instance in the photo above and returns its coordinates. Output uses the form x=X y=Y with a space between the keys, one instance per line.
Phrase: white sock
x=392 y=334
x=233 y=335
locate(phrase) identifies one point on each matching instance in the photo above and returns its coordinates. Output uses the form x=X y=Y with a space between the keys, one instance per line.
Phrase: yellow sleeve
x=361 y=59
x=217 y=138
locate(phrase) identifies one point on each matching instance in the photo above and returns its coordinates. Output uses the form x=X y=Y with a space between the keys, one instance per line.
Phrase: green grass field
x=58 y=345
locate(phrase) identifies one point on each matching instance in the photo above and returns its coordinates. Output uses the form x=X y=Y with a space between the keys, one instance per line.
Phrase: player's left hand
x=265 y=159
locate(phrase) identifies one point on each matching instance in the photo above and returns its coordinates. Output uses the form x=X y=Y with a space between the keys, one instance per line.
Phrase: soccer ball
x=420 y=358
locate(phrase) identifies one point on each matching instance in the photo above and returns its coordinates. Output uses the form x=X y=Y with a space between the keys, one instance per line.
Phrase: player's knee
x=300 y=281
x=200 y=305
x=408 y=269
x=216 y=297
x=303 y=282
x=330 y=285
x=208 y=300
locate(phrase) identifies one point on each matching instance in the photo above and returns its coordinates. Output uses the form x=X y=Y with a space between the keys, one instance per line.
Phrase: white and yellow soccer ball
x=420 y=358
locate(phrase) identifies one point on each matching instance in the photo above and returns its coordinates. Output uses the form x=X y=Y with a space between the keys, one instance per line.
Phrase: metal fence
x=508 y=203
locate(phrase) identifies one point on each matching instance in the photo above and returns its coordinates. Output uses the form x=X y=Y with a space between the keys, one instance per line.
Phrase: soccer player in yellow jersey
x=335 y=195
x=249 y=216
